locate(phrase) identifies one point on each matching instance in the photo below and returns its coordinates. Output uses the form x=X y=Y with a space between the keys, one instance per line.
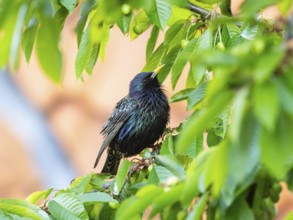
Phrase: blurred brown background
x=72 y=113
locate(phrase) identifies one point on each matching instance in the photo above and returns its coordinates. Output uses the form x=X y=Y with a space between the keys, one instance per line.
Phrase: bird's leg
x=138 y=165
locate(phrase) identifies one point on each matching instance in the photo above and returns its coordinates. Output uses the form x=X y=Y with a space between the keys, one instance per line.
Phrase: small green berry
x=220 y=46
x=184 y=43
x=126 y=9
x=114 y=205
x=138 y=29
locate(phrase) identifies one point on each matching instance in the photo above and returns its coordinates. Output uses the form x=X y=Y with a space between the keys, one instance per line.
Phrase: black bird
x=137 y=122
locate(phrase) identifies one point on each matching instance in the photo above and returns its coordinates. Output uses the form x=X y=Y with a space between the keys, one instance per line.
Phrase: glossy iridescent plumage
x=137 y=122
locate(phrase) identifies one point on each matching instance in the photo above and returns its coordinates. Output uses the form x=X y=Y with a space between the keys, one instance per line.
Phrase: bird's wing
x=117 y=119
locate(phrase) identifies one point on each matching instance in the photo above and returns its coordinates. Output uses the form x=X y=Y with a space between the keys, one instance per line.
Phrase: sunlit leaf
x=48 y=40
x=152 y=41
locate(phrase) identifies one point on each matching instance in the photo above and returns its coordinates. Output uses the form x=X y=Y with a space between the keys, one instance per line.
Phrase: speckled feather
x=137 y=122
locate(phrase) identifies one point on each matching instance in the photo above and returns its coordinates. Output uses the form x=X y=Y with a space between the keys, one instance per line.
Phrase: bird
x=137 y=121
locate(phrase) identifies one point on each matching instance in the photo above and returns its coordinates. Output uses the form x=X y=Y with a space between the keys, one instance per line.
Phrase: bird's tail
x=112 y=161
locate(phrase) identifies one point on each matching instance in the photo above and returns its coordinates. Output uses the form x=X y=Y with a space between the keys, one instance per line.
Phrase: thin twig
x=199 y=10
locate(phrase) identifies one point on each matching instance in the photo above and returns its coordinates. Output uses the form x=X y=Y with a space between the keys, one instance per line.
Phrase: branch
x=199 y=10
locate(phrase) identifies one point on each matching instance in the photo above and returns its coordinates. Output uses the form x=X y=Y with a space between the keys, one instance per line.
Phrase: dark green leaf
x=239 y=210
x=152 y=42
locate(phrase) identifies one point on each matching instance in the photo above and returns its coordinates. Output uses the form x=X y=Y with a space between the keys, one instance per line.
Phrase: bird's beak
x=157 y=70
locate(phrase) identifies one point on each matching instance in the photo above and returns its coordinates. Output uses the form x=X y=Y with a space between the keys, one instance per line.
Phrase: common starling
x=137 y=121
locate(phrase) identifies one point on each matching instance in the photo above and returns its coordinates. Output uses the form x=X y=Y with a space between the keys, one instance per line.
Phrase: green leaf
x=181 y=61
x=67 y=206
x=267 y=63
x=105 y=36
x=167 y=146
x=96 y=197
x=124 y=22
x=5 y=216
x=249 y=149
x=7 y=31
x=23 y=209
x=238 y=110
x=69 y=4
x=249 y=31
x=289 y=216
x=239 y=210
x=182 y=95
x=152 y=42
x=251 y=7
x=196 y=96
x=155 y=59
x=173 y=31
x=203 y=43
x=166 y=199
x=171 y=164
x=85 y=9
x=198 y=209
x=35 y=197
x=80 y=184
x=266 y=110
x=83 y=54
x=179 y=13
x=120 y=178
x=159 y=12
x=60 y=17
x=194 y=177
x=168 y=59
x=95 y=51
x=134 y=205
x=285 y=6
x=28 y=38
x=278 y=143
x=163 y=173
x=198 y=123
x=16 y=39
x=48 y=40
x=141 y=20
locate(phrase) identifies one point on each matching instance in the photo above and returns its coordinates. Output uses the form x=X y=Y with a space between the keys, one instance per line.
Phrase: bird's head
x=143 y=82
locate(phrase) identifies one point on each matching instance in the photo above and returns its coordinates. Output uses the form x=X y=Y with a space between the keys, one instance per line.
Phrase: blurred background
x=49 y=134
